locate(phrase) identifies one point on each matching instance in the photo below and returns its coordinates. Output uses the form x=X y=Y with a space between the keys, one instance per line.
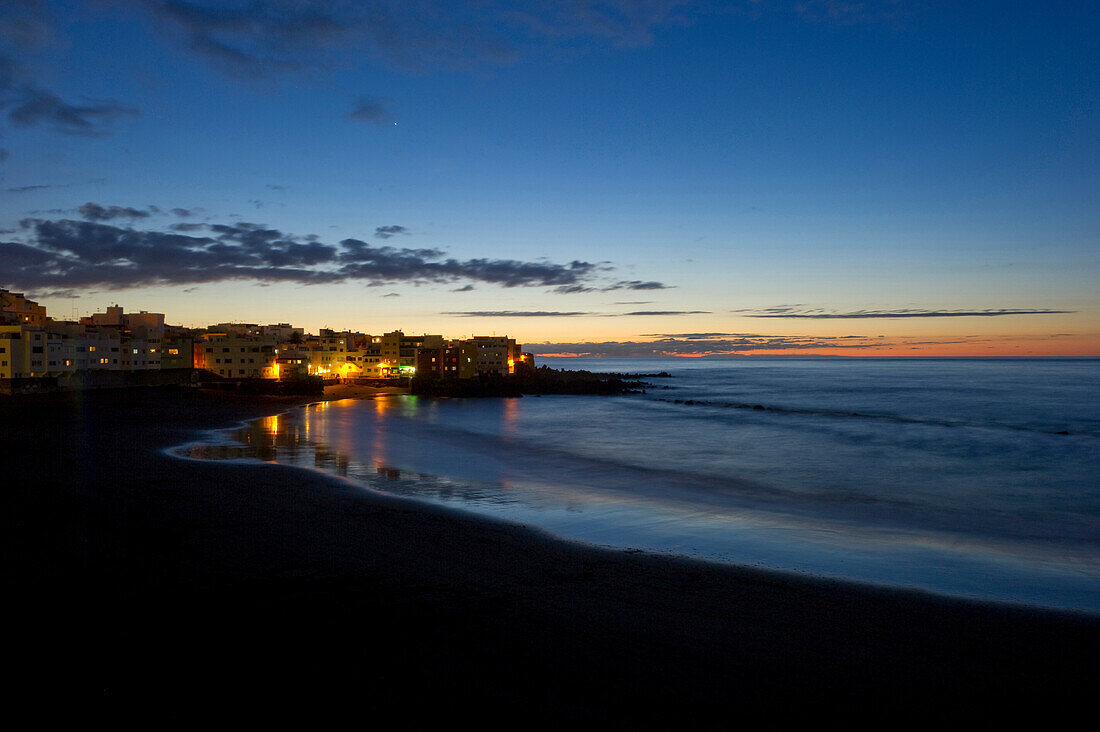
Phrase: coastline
x=132 y=568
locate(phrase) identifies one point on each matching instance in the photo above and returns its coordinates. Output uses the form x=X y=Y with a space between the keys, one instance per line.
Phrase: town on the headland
x=116 y=348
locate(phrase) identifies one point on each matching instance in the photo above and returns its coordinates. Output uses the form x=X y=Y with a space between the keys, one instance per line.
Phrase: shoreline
x=1061 y=604
x=270 y=576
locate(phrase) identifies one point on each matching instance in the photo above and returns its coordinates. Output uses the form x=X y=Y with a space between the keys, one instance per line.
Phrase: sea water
x=970 y=477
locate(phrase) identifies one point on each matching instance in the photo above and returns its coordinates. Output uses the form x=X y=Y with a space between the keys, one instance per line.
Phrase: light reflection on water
x=473 y=456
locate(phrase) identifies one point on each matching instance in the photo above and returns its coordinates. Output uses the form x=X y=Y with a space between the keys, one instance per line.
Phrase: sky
x=755 y=177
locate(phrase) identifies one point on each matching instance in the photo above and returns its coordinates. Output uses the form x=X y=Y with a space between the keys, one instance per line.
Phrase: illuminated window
x=173 y=351
x=91 y=348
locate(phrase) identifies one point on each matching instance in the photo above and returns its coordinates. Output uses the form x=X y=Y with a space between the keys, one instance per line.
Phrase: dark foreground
x=134 y=580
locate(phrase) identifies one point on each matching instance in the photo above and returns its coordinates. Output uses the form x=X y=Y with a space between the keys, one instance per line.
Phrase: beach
x=138 y=577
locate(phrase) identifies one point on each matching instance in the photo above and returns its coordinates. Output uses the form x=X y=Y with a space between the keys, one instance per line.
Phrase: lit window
x=173 y=351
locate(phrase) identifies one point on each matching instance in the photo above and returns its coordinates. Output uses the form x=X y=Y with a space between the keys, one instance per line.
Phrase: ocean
x=977 y=478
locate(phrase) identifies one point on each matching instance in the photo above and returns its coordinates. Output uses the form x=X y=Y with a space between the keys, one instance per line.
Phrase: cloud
x=28 y=189
x=29 y=105
x=25 y=24
x=370 y=110
x=690 y=336
x=620 y=285
x=259 y=37
x=464 y=288
x=786 y=312
x=27 y=27
x=392 y=294
x=262 y=38
x=846 y=12
x=184 y=213
x=68 y=253
x=70 y=294
x=91 y=119
x=637 y=285
x=727 y=345
x=666 y=312
x=385 y=232
x=514 y=314
x=572 y=313
x=95 y=212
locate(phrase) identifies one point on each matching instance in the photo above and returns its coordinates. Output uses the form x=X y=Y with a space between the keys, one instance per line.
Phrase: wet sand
x=137 y=579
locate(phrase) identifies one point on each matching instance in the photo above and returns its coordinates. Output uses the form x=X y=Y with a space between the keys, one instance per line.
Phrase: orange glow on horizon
x=1067 y=346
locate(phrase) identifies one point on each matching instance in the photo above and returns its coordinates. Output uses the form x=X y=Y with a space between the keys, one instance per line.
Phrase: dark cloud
x=265 y=37
x=633 y=302
x=28 y=189
x=91 y=119
x=846 y=12
x=184 y=213
x=385 y=232
x=25 y=24
x=785 y=312
x=666 y=312
x=620 y=285
x=514 y=314
x=259 y=37
x=95 y=212
x=690 y=336
x=67 y=253
x=464 y=288
x=370 y=110
x=637 y=285
x=733 y=345
x=392 y=294
x=70 y=294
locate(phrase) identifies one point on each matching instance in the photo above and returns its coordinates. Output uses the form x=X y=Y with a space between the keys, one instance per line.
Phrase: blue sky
x=713 y=162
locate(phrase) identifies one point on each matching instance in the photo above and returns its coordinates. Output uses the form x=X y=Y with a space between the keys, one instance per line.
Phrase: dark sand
x=135 y=579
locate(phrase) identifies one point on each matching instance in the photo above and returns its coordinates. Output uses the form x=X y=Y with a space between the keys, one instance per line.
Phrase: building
x=496 y=354
x=22 y=352
x=34 y=345
x=16 y=309
x=291 y=365
x=178 y=349
x=453 y=360
x=62 y=340
x=328 y=353
x=99 y=348
x=236 y=357
x=365 y=356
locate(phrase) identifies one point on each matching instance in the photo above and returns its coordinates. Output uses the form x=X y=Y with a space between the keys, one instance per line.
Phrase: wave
x=894 y=418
